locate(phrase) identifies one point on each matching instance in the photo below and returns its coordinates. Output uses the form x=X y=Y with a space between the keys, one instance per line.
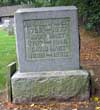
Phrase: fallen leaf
x=97 y=108
x=96 y=99
x=15 y=108
x=32 y=105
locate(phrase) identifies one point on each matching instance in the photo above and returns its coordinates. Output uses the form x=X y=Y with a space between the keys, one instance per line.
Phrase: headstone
x=6 y=24
x=49 y=39
x=11 y=27
x=48 y=55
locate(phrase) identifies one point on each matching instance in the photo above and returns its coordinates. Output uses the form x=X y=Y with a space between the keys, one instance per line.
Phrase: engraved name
x=47 y=38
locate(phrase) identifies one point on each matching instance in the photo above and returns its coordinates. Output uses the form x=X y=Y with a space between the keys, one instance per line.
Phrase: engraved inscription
x=47 y=38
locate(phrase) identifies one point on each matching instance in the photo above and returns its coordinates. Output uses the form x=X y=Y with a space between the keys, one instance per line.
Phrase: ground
x=90 y=60
x=90 y=55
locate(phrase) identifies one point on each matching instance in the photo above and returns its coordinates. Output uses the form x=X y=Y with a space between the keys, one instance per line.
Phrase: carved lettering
x=47 y=38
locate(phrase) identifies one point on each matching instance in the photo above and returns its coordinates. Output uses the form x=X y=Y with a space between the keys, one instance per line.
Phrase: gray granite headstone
x=47 y=39
x=48 y=56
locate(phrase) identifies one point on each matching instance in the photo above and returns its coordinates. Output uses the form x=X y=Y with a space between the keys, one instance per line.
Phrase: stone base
x=28 y=87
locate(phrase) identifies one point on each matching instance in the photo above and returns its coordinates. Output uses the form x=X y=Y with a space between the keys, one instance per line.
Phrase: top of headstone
x=25 y=10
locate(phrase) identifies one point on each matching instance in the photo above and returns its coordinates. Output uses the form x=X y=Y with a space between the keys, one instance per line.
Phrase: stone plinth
x=27 y=87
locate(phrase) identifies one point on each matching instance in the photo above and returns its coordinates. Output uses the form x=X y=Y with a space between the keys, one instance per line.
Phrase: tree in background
x=89 y=10
x=93 y=14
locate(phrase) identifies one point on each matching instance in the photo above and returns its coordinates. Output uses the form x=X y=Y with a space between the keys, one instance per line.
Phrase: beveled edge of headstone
x=50 y=73
x=41 y=9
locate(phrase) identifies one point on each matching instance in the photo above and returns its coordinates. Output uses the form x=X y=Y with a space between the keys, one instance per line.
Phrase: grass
x=7 y=55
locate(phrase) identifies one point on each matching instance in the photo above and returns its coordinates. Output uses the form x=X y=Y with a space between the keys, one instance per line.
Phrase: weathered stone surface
x=47 y=39
x=65 y=84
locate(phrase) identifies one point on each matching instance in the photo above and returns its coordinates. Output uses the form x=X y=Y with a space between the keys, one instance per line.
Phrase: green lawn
x=7 y=55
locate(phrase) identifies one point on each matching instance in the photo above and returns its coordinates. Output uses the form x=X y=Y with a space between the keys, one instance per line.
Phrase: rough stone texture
x=47 y=39
x=27 y=87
